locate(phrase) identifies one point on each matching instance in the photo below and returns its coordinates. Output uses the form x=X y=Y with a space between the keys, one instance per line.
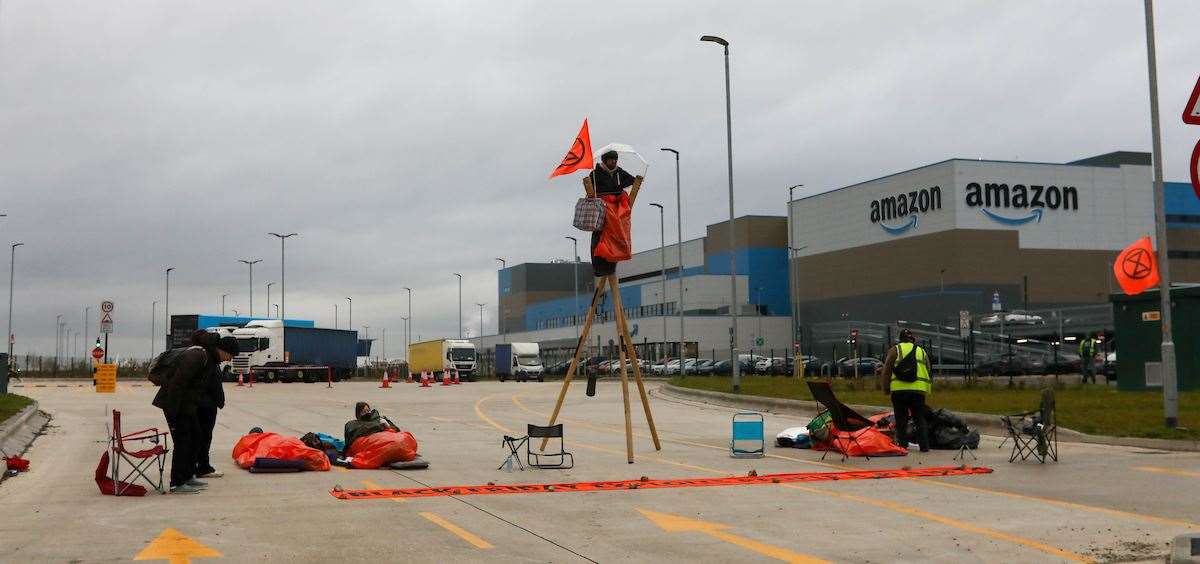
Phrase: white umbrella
x=622 y=148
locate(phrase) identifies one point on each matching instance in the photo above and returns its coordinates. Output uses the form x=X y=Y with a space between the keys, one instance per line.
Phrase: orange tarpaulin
x=1136 y=267
x=382 y=448
x=579 y=157
x=272 y=445
x=616 y=243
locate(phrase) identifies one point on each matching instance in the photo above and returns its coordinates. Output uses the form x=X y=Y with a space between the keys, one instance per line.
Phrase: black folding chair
x=534 y=459
x=514 y=452
x=845 y=420
x=1034 y=433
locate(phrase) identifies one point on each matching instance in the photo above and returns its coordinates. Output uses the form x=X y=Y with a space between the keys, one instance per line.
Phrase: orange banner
x=579 y=157
x=659 y=484
x=1136 y=267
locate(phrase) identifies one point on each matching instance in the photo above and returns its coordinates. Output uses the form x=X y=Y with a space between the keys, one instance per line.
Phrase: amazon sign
x=898 y=214
x=1019 y=204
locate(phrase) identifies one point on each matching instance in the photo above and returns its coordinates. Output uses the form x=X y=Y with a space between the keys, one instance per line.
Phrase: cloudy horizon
x=408 y=142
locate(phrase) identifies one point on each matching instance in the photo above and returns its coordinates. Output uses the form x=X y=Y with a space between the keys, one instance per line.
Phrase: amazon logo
x=899 y=214
x=1020 y=204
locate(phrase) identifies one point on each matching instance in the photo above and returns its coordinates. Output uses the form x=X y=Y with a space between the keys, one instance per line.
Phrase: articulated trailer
x=278 y=353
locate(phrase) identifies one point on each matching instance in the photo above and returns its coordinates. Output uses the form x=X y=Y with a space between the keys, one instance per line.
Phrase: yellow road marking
x=677 y=524
x=372 y=485
x=877 y=502
x=176 y=548
x=462 y=534
x=929 y=481
x=1172 y=471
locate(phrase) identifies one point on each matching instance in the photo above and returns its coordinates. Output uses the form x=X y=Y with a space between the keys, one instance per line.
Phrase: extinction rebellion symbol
x=1137 y=264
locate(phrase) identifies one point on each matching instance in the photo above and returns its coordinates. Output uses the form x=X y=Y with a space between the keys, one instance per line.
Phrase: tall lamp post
x=87 y=315
x=662 y=255
x=405 y=320
x=350 y=314
x=1169 y=383
x=251 y=263
x=735 y=364
x=792 y=284
x=282 y=273
x=57 y=340
x=480 y=325
x=12 y=262
x=679 y=232
x=500 y=302
x=153 y=327
x=408 y=320
x=460 y=325
x=167 y=312
x=335 y=316
x=223 y=296
x=269 y=284
x=575 y=259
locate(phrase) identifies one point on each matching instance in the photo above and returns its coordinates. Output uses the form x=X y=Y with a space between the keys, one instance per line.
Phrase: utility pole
x=1169 y=382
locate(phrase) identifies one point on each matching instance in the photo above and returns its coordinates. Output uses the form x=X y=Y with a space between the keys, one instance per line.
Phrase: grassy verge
x=1092 y=409
x=10 y=404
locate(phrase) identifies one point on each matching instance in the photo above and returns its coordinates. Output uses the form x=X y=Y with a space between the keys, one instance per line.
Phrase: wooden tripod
x=626 y=345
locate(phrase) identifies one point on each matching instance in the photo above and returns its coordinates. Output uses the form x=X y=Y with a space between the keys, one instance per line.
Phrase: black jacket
x=212 y=392
x=180 y=393
x=614 y=182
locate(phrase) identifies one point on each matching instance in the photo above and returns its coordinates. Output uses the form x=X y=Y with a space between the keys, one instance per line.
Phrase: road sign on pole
x=996 y=306
x=1191 y=112
x=98 y=353
x=106 y=320
x=964 y=324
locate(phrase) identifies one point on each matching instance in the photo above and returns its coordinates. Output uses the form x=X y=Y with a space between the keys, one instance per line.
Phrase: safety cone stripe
x=660 y=484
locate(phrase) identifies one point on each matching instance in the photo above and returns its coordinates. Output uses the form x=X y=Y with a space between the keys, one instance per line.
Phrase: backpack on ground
x=906 y=368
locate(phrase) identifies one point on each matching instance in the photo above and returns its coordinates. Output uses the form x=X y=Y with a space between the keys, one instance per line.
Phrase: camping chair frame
x=747 y=426
x=142 y=462
x=534 y=459
x=1040 y=439
x=514 y=451
x=844 y=419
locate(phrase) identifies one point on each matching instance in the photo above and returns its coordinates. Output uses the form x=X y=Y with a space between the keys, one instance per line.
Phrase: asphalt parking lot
x=1098 y=503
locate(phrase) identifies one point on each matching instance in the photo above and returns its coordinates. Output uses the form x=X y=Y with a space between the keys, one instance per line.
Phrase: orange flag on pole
x=1136 y=267
x=580 y=155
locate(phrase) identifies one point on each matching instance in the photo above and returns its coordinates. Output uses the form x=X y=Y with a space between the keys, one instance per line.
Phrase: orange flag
x=580 y=155
x=1136 y=267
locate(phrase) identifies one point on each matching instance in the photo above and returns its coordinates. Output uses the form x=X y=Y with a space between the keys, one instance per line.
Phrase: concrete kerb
x=20 y=430
x=987 y=424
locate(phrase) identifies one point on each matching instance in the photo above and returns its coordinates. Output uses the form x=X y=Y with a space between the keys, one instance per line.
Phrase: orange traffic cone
x=456 y=381
x=241 y=382
x=424 y=380
x=445 y=377
x=385 y=382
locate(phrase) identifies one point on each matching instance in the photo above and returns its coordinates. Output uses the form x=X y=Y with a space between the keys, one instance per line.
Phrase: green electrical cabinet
x=1138 y=325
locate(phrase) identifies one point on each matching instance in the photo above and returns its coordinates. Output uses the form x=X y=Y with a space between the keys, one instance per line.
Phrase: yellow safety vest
x=923 y=384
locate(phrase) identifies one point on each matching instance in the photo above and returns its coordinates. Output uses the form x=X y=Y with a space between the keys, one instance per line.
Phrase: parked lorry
x=440 y=355
x=519 y=361
x=275 y=352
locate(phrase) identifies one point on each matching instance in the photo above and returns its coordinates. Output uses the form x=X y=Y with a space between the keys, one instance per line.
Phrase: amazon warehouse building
x=916 y=247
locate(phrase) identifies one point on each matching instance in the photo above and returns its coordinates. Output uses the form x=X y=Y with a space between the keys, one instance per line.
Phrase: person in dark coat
x=178 y=398
x=366 y=421
x=212 y=396
x=607 y=179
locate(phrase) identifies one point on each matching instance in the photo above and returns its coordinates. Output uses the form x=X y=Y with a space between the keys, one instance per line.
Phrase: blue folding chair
x=748 y=441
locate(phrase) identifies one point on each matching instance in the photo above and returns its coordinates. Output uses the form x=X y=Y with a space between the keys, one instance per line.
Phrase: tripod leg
x=623 y=325
x=625 y=397
x=583 y=335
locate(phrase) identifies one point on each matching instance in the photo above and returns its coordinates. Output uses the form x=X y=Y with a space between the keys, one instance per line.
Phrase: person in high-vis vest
x=1087 y=359
x=908 y=398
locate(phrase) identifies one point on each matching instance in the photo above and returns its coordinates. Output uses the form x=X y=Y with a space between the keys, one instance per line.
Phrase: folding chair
x=1034 y=433
x=747 y=427
x=845 y=420
x=141 y=461
x=514 y=452
x=534 y=459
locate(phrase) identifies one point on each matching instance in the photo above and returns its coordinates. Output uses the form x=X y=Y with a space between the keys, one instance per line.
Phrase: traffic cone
x=445 y=377
x=385 y=382
x=241 y=383
x=456 y=381
x=424 y=380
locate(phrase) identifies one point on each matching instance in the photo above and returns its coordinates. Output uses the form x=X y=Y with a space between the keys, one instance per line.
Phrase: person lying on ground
x=366 y=421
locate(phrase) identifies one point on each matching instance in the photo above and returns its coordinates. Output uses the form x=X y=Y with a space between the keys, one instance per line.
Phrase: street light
x=223 y=304
x=500 y=302
x=460 y=325
x=793 y=290
x=679 y=230
x=405 y=320
x=335 y=316
x=269 y=284
x=575 y=259
x=277 y=312
x=282 y=273
x=87 y=315
x=12 y=261
x=251 y=263
x=408 y=330
x=662 y=255
x=57 y=339
x=167 y=312
x=153 y=327
x=350 y=316
x=733 y=314
x=480 y=325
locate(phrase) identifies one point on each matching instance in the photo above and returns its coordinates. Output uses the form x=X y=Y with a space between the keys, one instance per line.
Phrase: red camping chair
x=142 y=461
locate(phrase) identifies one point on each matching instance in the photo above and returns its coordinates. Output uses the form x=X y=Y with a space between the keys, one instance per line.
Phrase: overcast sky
x=408 y=141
